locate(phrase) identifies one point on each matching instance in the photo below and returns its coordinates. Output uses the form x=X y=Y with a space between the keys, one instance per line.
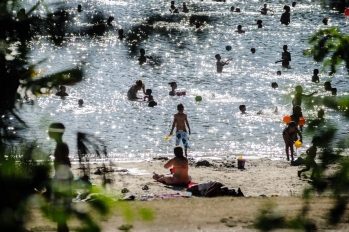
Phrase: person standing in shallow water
x=132 y=92
x=180 y=121
x=285 y=57
x=285 y=17
x=61 y=197
x=220 y=63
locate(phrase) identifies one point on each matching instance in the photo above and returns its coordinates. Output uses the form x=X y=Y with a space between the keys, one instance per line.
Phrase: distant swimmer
x=253 y=50
x=62 y=92
x=334 y=91
x=185 y=8
x=220 y=63
x=259 y=23
x=328 y=86
x=297 y=100
x=278 y=73
x=274 y=85
x=239 y=29
x=242 y=108
x=81 y=102
x=265 y=10
x=173 y=92
x=132 y=92
x=121 y=34
x=79 y=8
x=109 y=20
x=173 y=9
x=149 y=96
x=325 y=21
x=143 y=58
x=285 y=57
x=315 y=77
x=285 y=17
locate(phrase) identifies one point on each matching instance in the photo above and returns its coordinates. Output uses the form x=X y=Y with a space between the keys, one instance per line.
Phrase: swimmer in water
x=285 y=57
x=109 y=20
x=132 y=92
x=285 y=17
x=220 y=63
x=239 y=29
x=265 y=10
x=148 y=94
x=315 y=77
x=62 y=92
x=121 y=34
x=297 y=100
x=143 y=58
x=185 y=8
x=81 y=102
x=173 y=9
x=173 y=85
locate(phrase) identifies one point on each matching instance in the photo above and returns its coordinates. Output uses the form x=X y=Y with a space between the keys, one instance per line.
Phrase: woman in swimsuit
x=132 y=92
x=179 y=174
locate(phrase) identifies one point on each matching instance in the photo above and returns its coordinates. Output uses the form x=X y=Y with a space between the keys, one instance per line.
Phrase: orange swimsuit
x=175 y=167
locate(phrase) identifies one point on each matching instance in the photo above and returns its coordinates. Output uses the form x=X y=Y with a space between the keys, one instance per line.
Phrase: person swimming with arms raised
x=265 y=10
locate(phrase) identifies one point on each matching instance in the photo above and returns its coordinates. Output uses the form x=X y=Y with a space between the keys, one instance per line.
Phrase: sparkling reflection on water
x=181 y=53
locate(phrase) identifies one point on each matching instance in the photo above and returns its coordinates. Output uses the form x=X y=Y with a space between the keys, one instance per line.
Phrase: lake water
x=181 y=53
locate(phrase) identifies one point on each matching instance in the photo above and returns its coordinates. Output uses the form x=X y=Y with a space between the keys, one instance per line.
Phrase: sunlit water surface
x=132 y=130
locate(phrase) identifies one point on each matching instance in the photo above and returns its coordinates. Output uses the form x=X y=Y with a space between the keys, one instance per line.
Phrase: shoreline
x=260 y=176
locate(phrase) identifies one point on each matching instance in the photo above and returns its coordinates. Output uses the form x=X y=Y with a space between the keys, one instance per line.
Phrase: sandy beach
x=263 y=182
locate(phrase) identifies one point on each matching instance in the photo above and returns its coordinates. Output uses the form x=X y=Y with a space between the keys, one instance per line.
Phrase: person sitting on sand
x=132 y=92
x=297 y=100
x=179 y=173
x=220 y=63
x=289 y=135
x=315 y=77
x=239 y=29
x=62 y=92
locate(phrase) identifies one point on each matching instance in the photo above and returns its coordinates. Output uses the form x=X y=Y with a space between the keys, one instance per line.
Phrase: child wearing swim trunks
x=180 y=121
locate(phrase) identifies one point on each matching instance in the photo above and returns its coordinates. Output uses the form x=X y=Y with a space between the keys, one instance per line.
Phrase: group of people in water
x=179 y=164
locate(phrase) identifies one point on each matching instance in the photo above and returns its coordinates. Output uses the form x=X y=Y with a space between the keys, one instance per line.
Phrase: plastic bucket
x=241 y=164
